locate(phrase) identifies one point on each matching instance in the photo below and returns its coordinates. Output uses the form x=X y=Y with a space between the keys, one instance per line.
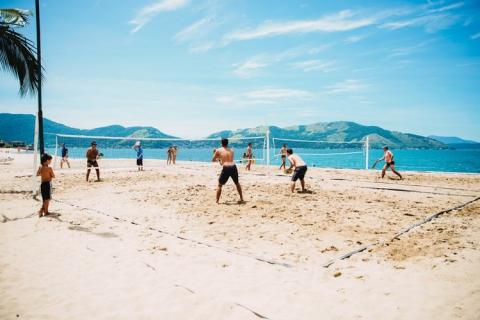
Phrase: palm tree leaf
x=17 y=56
x=14 y=17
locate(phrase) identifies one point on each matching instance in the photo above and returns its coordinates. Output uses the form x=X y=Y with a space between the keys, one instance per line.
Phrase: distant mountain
x=341 y=131
x=452 y=140
x=20 y=127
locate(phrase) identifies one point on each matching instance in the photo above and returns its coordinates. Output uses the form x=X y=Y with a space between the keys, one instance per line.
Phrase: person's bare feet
x=40 y=213
x=241 y=201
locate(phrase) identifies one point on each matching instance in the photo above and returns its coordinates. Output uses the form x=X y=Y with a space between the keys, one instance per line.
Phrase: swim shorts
x=227 y=172
x=45 y=189
x=92 y=163
x=140 y=162
x=388 y=164
x=299 y=173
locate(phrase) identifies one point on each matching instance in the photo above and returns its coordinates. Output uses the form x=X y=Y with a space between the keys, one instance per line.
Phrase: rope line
x=396 y=236
x=198 y=242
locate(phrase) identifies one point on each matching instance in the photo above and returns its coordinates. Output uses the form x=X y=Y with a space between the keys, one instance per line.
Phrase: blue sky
x=191 y=67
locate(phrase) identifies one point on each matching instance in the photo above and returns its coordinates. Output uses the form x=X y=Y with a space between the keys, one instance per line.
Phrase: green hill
x=20 y=127
x=341 y=131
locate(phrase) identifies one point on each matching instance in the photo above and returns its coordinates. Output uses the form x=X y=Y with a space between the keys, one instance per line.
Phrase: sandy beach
x=154 y=245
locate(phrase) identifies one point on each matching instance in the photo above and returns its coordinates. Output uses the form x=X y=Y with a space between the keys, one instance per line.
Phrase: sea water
x=459 y=160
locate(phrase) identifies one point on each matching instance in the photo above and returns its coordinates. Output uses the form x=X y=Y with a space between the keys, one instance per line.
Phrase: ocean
x=466 y=160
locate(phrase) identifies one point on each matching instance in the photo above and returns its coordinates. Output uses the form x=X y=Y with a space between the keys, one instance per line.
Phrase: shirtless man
x=92 y=156
x=389 y=163
x=225 y=156
x=300 y=169
x=249 y=157
x=283 y=155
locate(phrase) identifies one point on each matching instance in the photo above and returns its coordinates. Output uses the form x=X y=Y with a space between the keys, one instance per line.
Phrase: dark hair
x=224 y=142
x=289 y=151
x=385 y=147
x=93 y=143
x=284 y=144
x=45 y=157
x=249 y=143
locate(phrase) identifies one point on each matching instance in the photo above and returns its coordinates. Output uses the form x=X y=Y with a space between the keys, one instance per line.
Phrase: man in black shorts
x=229 y=169
x=92 y=156
x=300 y=169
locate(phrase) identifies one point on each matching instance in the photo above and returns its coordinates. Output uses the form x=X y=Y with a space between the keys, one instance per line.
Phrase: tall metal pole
x=39 y=73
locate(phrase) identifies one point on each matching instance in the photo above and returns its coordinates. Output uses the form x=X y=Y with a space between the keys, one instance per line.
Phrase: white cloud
x=202 y=47
x=405 y=51
x=431 y=23
x=264 y=96
x=475 y=36
x=354 y=39
x=313 y=65
x=448 y=7
x=193 y=30
x=250 y=67
x=147 y=13
x=341 y=21
x=349 y=85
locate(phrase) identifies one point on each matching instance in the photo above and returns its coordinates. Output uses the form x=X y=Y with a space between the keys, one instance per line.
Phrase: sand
x=154 y=245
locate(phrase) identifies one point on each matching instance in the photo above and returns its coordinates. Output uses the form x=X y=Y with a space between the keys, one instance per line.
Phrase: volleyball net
x=332 y=154
x=122 y=151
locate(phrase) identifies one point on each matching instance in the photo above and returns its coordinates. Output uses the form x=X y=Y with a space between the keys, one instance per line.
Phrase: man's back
x=296 y=160
x=225 y=155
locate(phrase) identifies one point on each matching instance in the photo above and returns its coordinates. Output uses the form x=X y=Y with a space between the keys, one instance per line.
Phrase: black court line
x=271 y=262
x=404 y=231
x=417 y=191
x=403 y=184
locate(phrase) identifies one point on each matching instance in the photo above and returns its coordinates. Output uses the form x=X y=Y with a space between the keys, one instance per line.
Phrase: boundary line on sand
x=396 y=236
x=271 y=262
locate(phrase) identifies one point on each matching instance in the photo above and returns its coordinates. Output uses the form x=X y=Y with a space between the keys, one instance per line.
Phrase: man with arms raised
x=229 y=169
x=300 y=169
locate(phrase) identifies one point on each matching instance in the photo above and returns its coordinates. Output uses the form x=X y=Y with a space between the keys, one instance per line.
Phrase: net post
x=367 y=149
x=268 y=146
x=35 y=159
x=56 y=151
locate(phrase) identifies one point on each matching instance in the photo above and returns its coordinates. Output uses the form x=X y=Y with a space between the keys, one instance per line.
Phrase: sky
x=193 y=67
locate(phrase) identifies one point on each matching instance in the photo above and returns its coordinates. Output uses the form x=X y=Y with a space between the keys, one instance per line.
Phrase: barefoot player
x=64 y=156
x=229 y=169
x=92 y=156
x=46 y=187
x=249 y=156
x=389 y=163
x=283 y=155
x=300 y=169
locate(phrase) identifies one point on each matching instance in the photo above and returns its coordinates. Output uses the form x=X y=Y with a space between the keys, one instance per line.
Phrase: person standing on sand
x=169 y=155
x=138 y=148
x=174 y=154
x=92 y=156
x=283 y=155
x=389 y=163
x=249 y=156
x=300 y=169
x=229 y=170
x=47 y=175
x=64 y=156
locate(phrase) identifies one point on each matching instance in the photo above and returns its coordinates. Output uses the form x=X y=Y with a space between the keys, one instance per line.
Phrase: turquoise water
x=406 y=160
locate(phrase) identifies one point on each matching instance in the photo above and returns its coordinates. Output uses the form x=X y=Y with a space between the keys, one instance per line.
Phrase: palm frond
x=17 y=56
x=14 y=17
